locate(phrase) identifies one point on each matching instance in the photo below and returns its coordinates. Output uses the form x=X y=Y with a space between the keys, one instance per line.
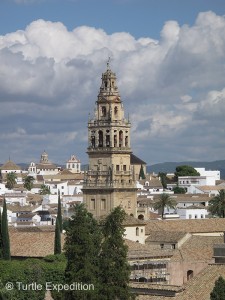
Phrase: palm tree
x=28 y=182
x=217 y=204
x=10 y=180
x=44 y=190
x=164 y=201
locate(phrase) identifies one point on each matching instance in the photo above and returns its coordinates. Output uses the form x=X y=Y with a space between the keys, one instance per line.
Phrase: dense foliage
x=95 y=256
x=179 y=190
x=218 y=292
x=82 y=247
x=185 y=171
x=10 y=180
x=142 y=173
x=114 y=268
x=22 y=273
x=28 y=182
x=57 y=244
x=5 y=242
x=217 y=205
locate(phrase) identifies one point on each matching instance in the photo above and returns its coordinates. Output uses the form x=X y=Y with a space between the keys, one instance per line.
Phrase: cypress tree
x=82 y=247
x=114 y=268
x=218 y=292
x=1 y=234
x=141 y=173
x=59 y=213
x=5 y=234
x=57 y=246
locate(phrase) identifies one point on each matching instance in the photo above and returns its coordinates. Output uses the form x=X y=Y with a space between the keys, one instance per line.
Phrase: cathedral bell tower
x=109 y=181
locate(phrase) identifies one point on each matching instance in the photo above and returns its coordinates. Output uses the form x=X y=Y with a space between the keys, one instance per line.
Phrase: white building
x=203 y=172
x=192 y=212
x=190 y=182
x=73 y=164
x=11 y=167
x=44 y=167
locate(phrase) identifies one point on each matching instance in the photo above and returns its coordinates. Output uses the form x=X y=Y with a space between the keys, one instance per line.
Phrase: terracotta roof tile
x=191 y=226
x=200 y=286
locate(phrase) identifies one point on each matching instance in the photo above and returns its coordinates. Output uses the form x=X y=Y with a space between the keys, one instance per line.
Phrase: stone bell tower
x=109 y=181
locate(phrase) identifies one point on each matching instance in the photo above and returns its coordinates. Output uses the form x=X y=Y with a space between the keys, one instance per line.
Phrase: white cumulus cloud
x=172 y=88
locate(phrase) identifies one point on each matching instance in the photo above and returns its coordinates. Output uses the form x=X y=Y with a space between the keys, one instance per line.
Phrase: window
x=92 y=206
x=173 y=246
x=103 y=204
x=137 y=231
x=117 y=167
x=190 y=274
x=103 y=111
x=124 y=167
x=162 y=246
x=189 y=216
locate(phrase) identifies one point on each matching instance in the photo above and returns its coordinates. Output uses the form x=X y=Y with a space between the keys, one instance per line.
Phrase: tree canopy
x=82 y=248
x=44 y=190
x=5 y=234
x=28 y=182
x=185 y=170
x=217 y=205
x=218 y=292
x=11 y=180
x=164 y=201
x=163 y=178
x=114 y=268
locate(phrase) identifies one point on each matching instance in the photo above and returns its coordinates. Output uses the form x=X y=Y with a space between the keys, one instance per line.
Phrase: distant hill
x=170 y=167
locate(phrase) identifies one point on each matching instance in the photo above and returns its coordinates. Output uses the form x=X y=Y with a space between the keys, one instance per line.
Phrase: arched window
x=120 y=138
x=190 y=274
x=103 y=111
x=107 y=140
x=137 y=231
x=115 y=110
x=100 y=138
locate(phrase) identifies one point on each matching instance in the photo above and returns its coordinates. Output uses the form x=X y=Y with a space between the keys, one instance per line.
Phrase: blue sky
x=169 y=57
x=138 y=17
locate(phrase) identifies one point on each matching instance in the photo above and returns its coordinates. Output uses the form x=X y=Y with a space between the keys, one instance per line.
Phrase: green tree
x=179 y=190
x=1 y=245
x=5 y=234
x=82 y=248
x=163 y=179
x=141 y=173
x=44 y=190
x=28 y=182
x=57 y=245
x=59 y=213
x=114 y=268
x=185 y=171
x=164 y=201
x=218 y=292
x=10 y=180
x=217 y=205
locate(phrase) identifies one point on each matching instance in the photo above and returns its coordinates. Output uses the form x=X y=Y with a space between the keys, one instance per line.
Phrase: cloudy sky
x=169 y=57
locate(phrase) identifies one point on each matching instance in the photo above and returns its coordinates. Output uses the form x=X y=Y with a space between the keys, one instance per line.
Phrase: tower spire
x=108 y=63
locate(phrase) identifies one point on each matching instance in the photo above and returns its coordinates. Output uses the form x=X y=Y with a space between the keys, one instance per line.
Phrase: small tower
x=44 y=158
x=109 y=181
x=73 y=164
